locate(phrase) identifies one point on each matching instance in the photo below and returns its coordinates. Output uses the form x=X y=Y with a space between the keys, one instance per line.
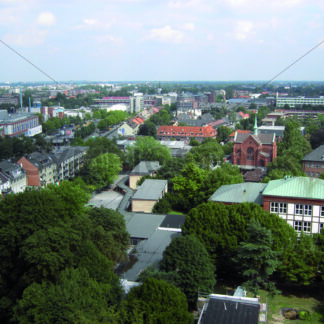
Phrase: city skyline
x=168 y=40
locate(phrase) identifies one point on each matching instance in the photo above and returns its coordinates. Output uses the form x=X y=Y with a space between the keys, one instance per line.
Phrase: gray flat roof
x=150 y=190
x=146 y=167
x=143 y=225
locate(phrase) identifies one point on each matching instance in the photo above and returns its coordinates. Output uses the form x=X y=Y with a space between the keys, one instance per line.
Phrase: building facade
x=185 y=133
x=298 y=200
x=313 y=163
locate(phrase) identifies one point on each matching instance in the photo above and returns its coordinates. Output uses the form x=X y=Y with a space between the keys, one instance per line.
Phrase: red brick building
x=252 y=150
x=313 y=163
x=185 y=133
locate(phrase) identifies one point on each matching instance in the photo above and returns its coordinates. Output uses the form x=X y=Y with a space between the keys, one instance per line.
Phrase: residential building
x=252 y=150
x=185 y=133
x=298 y=200
x=68 y=161
x=13 y=177
x=40 y=169
x=313 y=163
x=142 y=169
x=148 y=195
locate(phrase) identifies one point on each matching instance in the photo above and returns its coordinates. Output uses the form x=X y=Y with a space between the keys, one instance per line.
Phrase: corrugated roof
x=300 y=187
x=316 y=156
x=150 y=190
x=239 y=193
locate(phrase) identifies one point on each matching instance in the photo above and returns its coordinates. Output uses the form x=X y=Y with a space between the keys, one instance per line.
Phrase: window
x=307 y=165
x=302 y=226
x=282 y=208
x=322 y=211
x=321 y=226
x=303 y=209
x=274 y=207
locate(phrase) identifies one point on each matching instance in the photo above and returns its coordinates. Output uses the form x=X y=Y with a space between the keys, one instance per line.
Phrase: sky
x=161 y=40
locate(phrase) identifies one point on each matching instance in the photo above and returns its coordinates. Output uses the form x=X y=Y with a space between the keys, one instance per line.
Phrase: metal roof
x=317 y=155
x=143 y=225
x=240 y=193
x=150 y=190
x=150 y=252
x=298 y=187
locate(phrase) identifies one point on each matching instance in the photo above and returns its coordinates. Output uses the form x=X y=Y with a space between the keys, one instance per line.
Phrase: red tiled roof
x=187 y=131
x=240 y=131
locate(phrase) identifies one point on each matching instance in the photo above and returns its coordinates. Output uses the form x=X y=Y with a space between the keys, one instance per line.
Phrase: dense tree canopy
x=156 y=301
x=187 y=256
x=147 y=149
x=221 y=228
x=42 y=234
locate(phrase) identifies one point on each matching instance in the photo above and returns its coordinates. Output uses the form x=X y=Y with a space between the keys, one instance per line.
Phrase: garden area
x=309 y=299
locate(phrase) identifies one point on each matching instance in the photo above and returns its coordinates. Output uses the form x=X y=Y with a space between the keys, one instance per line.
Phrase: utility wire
x=28 y=61
x=293 y=63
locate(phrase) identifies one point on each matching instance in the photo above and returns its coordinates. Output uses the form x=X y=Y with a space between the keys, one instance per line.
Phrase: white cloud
x=188 y=26
x=108 y=39
x=166 y=34
x=46 y=19
x=91 y=23
x=243 y=29
x=27 y=39
x=200 y=5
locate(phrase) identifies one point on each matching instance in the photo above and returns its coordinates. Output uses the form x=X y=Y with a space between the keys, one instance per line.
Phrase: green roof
x=239 y=193
x=299 y=187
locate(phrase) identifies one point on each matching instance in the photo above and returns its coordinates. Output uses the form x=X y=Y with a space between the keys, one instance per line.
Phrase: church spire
x=256 y=125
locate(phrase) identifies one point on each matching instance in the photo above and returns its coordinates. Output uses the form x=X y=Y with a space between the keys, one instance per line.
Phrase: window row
x=300 y=209
x=303 y=226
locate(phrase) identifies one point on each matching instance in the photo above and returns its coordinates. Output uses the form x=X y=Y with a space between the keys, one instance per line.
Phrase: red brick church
x=252 y=150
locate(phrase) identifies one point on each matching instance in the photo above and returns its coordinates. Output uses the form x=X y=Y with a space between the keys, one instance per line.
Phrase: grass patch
x=173 y=212
x=297 y=300
x=301 y=298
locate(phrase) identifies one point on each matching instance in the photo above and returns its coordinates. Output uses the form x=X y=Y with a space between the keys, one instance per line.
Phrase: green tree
x=221 y=228
x=256 y=259
x=187 y=256
x=147 y=129
x=207 y=154
x=109 y=233
x=223 y=133
x=75 y=298
x=156 y=301
x=300 y=261
x=162 y=207
x=103 y=170
x=147 y=149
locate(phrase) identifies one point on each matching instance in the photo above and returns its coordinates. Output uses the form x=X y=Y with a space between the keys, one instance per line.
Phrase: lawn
x=311 y=299
x=173 y=212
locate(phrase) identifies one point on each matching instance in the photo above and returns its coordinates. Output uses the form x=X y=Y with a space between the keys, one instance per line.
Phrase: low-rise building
x=313 y=163
x=148 y=194
x=298 y=200
x=142 y=169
